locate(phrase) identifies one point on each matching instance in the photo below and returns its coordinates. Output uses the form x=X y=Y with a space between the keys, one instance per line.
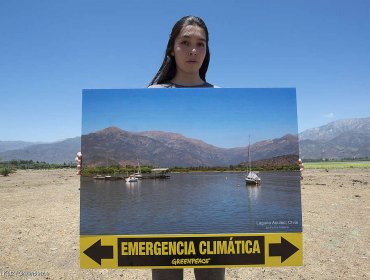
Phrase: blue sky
x=51 y=50
x=221 y=117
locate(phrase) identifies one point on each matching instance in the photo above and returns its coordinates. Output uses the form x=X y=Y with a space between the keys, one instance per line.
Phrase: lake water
x=192 y=203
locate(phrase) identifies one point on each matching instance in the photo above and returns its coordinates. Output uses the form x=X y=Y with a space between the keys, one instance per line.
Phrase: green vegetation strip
x=29 y=164
x=128 y=169
x=336 y=164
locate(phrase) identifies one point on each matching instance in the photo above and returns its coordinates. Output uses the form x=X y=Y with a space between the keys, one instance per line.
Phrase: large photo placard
x=190 y=178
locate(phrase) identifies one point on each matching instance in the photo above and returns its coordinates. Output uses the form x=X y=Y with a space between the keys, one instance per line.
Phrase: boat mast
x=249 y=156
x=138 y=164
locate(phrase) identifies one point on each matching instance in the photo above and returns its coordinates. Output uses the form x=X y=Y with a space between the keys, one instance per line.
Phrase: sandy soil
x=39 y=218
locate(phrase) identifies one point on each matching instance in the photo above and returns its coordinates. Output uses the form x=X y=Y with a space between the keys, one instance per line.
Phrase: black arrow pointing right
x=284 y=249
x=97 y=252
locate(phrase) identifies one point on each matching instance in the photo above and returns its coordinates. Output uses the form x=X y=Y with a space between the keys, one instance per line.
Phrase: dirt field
x=39 y=228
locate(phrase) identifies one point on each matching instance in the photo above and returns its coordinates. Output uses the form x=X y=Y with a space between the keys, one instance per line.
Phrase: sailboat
x=135 y=176
x=131 y=178
x=138 y=174
x=251 y=178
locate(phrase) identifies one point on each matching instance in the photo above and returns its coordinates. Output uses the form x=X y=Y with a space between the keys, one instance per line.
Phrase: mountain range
x=15 y=145
x=56 y=152
x=348 y=138
x=157 y=148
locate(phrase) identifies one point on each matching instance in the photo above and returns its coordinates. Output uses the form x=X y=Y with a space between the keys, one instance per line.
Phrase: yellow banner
x=188 y=250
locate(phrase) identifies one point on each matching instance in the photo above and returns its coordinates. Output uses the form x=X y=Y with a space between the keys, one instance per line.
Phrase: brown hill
x=157 y=148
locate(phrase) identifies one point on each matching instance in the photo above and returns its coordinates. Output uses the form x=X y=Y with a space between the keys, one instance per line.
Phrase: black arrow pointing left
x=97 y=252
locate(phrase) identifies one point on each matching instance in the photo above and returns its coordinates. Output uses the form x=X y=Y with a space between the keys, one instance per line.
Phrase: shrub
x=5 y=171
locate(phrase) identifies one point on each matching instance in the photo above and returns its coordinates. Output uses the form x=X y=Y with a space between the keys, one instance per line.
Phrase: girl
x=187 y=56
x=185 y=64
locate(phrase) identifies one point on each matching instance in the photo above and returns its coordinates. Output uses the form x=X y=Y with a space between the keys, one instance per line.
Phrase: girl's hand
x=78 y=160
x=301 y=167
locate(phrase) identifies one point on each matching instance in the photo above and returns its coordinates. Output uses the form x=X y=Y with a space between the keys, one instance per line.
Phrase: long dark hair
x=167 y=71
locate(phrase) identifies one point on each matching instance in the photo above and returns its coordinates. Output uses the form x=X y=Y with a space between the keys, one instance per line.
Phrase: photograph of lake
x=209 y=202
x=189 y=161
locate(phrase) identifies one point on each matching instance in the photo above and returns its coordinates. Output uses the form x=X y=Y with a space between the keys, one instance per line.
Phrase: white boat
x=251 y=178
x=99 y=177
x=131 y=179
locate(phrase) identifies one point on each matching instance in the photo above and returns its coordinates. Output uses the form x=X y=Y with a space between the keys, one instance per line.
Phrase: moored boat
x=99 y=177
x=131 y=179
x=251 y=178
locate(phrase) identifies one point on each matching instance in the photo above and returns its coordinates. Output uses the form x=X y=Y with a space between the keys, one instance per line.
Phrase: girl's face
x=190 y=49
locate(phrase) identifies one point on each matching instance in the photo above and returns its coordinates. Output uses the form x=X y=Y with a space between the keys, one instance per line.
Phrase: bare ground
x=39 y=218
